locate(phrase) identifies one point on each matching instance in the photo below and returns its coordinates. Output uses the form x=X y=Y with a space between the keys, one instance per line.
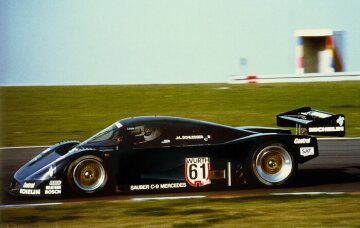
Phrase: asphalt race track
x=336 y=170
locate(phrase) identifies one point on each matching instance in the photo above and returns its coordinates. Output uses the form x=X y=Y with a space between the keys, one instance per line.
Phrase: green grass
x=45 y=115
x=274 y=211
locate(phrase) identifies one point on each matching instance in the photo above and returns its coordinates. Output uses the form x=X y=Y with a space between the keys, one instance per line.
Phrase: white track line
x=180 y=197
x=305 y=193
x=22 y=147
x=168 y=198
x=28 y=205
x=336 y=139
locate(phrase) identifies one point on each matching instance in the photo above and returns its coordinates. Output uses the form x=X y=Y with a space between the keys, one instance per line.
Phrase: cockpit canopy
x=143 y=132
x=109 y=136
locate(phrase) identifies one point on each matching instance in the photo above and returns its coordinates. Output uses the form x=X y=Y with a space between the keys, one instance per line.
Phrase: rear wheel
x=87 y=175
x=271 y=165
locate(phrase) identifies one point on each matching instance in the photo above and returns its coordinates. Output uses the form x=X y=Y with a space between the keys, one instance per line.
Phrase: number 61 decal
x=197 y=171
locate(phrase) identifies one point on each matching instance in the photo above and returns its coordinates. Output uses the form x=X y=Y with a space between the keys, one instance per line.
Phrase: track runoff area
x=335 y=171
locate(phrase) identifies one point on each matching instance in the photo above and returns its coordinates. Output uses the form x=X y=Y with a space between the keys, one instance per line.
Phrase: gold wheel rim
x=89 y=175
x=272 y=162
x=273 y=165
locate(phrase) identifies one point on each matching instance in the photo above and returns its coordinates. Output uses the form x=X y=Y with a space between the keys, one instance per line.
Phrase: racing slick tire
x=270 y=165
x=87 y=175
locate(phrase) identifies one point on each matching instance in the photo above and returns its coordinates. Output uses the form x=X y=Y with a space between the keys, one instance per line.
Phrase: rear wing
x=315 y=122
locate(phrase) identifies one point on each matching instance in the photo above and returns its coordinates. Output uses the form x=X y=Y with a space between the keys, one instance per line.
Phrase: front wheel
x=271 y=165
x=87 y=175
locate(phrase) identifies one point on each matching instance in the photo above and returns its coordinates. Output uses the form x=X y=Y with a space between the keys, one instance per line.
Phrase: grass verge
x=274 y=211
x=45 y=115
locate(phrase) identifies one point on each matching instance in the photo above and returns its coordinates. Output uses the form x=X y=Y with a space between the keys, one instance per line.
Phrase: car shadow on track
x=316 y=177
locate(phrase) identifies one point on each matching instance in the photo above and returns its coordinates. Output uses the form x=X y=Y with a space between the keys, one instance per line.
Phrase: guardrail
x=308 y=77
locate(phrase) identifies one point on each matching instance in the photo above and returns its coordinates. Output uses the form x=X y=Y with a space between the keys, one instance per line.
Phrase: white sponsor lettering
x=307 y=151
x=302 y=141
x=55 y=182
x=52 y=187
x=139 y=187
x=173 y=185
x=28 y=185
x=326 y=129
x=30 y=191
x=165 y=141
x=157 y=186
x=188 y=137
x=52 y=192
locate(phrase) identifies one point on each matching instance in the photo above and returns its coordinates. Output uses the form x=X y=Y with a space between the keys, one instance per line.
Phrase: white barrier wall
x=311 y=77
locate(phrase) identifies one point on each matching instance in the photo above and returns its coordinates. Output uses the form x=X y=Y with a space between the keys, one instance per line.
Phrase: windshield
x=108 y=136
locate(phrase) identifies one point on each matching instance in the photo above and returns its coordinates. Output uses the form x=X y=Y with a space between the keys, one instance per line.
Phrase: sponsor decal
x=326 y=129
x=189 y=137
x=28 y=185
x=52 y=191
x=52 y=171
x=197 y=171
x=30 y=191
x=302 y=141
x=340 y=121
x=55 y=182
x=165 y=141
x=193 y=137
x=54 y=187
x=207 y=138
x=118 y=125
x=157 y=186
x=307 y=151
x=139 y=187
x=173 y=185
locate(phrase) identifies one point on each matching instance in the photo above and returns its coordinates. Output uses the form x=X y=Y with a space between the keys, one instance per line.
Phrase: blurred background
x=160 y=41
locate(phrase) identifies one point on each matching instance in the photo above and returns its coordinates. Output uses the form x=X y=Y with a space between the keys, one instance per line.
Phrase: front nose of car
x=30 y=176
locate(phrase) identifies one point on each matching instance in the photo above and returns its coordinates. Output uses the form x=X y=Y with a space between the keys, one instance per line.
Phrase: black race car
x=161 y=153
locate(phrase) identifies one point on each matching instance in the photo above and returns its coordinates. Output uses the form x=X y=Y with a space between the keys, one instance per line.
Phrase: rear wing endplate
x=314 y=121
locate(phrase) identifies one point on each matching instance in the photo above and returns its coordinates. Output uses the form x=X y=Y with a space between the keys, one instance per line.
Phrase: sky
x=161 y=41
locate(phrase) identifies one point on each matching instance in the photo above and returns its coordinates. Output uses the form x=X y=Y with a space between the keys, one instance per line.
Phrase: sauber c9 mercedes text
x=161 y=153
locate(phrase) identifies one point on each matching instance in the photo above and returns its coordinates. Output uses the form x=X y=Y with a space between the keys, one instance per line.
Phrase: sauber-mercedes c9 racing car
x=161 y=153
